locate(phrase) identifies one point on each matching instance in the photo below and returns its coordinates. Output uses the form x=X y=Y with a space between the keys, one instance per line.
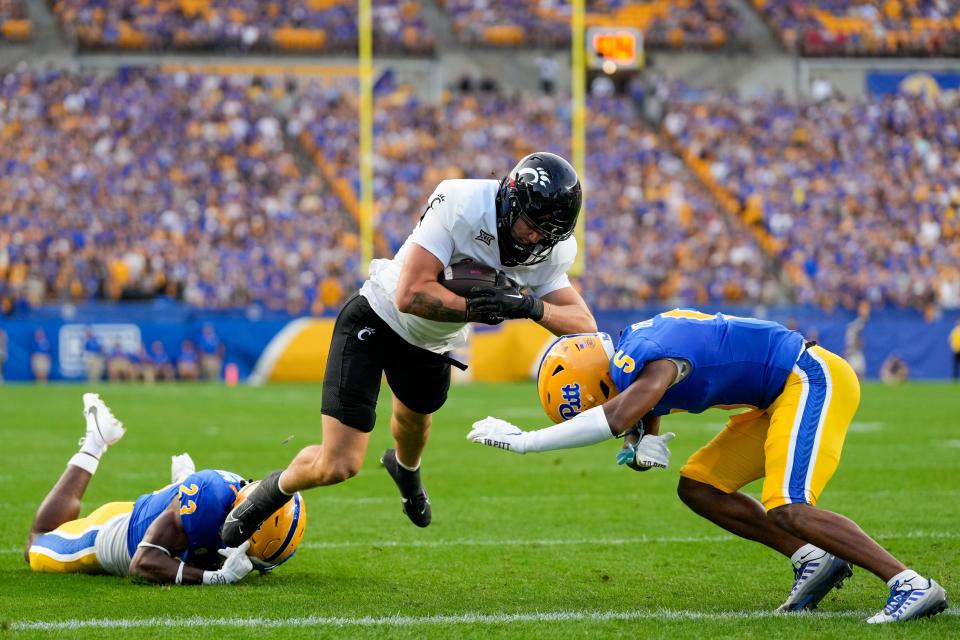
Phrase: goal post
x=365 y=74
x=578 y=120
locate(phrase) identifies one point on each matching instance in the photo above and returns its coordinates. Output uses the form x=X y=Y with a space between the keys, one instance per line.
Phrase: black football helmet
x=544 y=190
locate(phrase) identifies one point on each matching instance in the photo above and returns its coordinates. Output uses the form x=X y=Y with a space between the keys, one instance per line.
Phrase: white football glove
x=235 y=568
x=498 y=433
x=181 y=466
x=649 y=451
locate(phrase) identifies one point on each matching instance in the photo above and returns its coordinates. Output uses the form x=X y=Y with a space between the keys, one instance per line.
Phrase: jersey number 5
x=624 y=362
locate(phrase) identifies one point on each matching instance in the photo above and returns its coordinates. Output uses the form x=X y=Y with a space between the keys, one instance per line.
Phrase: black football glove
x=504 y=302
x=483 y=315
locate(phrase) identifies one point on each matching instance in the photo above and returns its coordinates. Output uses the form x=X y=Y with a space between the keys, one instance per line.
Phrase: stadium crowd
x=665 y=24
x=12 y=10
x=138 y=184
x=14 y=21
x=318 y=25
x=863 y=195
x=202 y=188
x=331 y=25
x=861 y=28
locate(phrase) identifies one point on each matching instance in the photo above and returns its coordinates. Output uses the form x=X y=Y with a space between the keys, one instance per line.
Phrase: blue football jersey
x=734 y=361
x=205 y=499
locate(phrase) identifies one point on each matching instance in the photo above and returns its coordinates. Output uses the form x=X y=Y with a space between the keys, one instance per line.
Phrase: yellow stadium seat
x=504 y=35
x=130 y=38
x=300 y=39
x=16 y=30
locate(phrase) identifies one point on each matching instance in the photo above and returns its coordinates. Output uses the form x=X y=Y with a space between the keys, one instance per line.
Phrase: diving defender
x=799 y=400
x=169 y=536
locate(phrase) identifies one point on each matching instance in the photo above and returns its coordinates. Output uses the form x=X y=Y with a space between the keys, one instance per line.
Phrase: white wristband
x=153 y=546
x=589 y=427
x=179 y=579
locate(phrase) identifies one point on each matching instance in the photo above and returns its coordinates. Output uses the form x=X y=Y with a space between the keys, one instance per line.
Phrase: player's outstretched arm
x=611 y=419
x=565 y=312
x=156 y=559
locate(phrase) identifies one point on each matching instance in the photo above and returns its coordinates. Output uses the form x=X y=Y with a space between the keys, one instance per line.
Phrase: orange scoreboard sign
x=620 y=46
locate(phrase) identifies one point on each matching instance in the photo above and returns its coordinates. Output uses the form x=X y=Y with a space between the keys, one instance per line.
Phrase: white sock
x=411 y=469
x=86 y=461
x=806 y=552
x=904 y=576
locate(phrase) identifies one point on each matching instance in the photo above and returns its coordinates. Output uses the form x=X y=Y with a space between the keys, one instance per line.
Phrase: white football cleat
x=181 y=466
x=103 y=429
x=814 y=577
x=917 y=597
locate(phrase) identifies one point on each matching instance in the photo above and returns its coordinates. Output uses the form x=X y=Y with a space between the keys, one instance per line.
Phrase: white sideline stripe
x=407 y=621
x=559 y=542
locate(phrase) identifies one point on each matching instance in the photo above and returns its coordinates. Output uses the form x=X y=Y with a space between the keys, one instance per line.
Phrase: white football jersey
x=460 y=222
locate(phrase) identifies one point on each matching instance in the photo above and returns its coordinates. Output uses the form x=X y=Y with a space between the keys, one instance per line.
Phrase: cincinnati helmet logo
x=573 y=404
x=537 y=176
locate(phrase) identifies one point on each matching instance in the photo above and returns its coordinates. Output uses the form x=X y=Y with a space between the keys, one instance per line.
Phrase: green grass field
x=562 y=544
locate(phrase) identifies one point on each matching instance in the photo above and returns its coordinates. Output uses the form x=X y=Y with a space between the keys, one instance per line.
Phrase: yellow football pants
x=70 y=548
x=794 y=444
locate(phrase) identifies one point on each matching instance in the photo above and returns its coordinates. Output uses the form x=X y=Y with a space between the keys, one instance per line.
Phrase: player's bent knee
x=788 y=516
x=335 y=472
x=693 y=492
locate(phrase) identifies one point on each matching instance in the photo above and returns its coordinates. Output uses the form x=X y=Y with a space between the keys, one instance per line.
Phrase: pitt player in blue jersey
x=799 y=400
x=168 y=536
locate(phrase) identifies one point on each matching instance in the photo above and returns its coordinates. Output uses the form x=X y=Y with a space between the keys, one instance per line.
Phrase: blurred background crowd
x=866 y=28
x=225 y=191
x=812 y=28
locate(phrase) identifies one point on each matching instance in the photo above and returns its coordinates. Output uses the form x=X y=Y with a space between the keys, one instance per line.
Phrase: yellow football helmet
x=279 y=536
x=575 y=375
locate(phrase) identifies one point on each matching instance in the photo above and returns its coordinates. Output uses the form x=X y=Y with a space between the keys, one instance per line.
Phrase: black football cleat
x=245 y=518
x=416 y=504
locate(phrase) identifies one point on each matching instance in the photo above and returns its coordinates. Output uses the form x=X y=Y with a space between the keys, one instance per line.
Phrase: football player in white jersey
x=404 y=322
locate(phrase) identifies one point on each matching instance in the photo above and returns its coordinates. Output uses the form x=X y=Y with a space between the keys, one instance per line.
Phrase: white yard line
x=533 y=542
x=567 y=542
x=408 y=621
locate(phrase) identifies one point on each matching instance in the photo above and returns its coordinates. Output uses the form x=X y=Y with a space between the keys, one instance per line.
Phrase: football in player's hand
x=461 y=277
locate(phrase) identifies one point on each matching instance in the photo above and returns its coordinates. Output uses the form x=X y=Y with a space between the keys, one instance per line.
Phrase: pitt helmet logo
x=572 y=403
x=537 y=176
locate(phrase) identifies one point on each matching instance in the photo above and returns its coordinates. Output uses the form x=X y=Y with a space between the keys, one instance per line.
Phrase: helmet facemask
x=543 y=190
x=513 y=252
